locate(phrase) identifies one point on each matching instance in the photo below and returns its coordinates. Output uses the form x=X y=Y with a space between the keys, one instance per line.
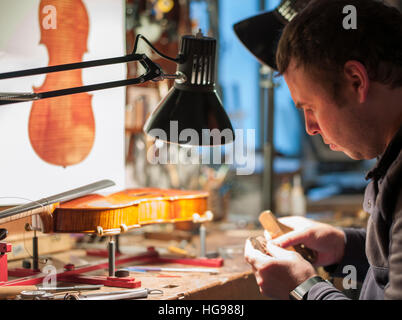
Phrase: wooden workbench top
x=235 y=280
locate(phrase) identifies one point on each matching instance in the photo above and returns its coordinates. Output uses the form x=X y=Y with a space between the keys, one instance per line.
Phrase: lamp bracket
x=152 y=72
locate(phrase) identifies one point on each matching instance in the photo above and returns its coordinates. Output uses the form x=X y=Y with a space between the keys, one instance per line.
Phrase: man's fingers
x=290 y=239
x=278 y=252
x=296 y=222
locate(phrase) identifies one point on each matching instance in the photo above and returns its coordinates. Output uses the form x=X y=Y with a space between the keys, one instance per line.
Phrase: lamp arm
x=152 y=72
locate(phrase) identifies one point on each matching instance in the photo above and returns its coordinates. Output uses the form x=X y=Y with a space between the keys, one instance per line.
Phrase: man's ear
x=356 y=76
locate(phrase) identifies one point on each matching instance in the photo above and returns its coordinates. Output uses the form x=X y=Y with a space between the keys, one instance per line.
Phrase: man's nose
x=312 y=127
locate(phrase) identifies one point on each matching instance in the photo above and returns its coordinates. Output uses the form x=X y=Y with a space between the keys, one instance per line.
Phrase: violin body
x=124 y=210
x=62 y=129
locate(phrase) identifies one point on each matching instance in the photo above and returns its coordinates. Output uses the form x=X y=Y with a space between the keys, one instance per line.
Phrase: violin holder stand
x=74 y=275
x=114 y=251
x=25 y=272
x=106 y=253
x=4 y=248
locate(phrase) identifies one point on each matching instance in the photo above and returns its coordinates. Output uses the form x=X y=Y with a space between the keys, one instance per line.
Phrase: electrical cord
x=140 y=36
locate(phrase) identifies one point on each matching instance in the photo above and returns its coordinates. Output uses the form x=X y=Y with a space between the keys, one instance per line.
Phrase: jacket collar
x=386 y=159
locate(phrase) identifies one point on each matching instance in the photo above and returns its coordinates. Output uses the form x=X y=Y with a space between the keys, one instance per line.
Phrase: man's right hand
x=328 y=241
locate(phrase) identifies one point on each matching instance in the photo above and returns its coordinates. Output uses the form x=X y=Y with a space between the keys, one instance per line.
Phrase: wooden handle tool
x=8 y=292
x=276 y=229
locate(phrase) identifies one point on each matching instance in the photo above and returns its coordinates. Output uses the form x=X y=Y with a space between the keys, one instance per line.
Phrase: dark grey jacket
x=377 y=253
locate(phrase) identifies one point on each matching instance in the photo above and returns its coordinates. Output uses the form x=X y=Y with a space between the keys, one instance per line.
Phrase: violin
x=62 y=129
x=125 y=210
x=115 y=213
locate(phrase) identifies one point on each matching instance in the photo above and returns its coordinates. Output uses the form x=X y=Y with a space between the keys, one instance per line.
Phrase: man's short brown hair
x=317 y=41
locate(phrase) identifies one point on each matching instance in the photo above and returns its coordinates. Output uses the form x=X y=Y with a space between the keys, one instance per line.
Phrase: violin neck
x=46 y=206
x=45 y=213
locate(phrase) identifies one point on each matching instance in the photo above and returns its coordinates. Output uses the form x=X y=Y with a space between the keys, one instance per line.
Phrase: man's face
x=343 y=128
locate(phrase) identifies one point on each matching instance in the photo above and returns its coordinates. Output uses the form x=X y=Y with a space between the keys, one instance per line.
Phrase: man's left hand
x=278 y=272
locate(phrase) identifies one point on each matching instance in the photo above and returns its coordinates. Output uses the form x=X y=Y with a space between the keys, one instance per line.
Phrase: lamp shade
x=260 y=34
x=192 y=113
x=182 y=110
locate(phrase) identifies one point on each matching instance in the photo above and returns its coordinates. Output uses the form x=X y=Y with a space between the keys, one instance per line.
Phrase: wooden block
x=272 y=225
x=16 y=226
x=165 y=236
x=276 y=229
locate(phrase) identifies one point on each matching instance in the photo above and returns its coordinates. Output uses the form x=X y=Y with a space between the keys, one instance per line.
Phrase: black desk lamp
x=260 y=34
x=192 y=101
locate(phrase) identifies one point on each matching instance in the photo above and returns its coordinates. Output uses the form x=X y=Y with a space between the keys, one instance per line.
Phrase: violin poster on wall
x=51 y=145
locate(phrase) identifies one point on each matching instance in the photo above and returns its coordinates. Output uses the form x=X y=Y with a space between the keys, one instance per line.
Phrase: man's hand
x=280 y=271
x=328 y=241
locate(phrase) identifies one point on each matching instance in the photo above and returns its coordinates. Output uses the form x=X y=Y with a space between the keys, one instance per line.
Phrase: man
x=348 y=83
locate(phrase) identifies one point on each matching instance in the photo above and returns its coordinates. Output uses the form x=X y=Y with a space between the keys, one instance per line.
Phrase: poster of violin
x=51 y=145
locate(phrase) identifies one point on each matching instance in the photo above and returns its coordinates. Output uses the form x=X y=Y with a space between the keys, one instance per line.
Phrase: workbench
x=235 y=280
